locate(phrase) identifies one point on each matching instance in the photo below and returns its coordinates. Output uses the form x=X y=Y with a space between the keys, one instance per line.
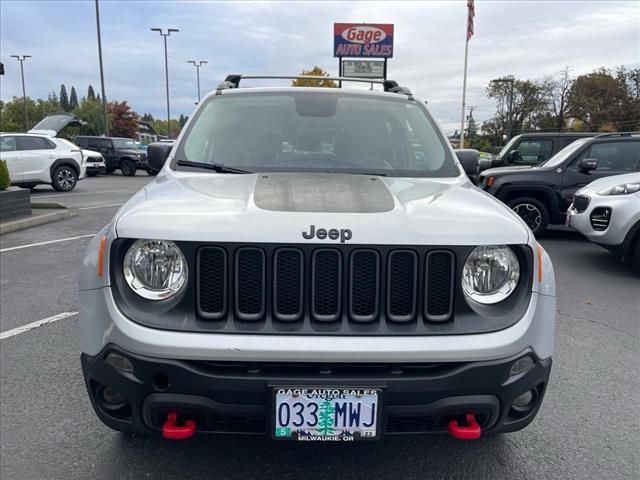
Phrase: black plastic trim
x=446 y=316
x=318 y=316
x=410 y=316
x=225 y=295
x=240 y=314
x=278 y=315
x=376 y=312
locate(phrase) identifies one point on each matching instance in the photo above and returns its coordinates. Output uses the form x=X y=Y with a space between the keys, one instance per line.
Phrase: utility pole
x=197 y=64
x=21 y=59
x=471 y=108
x=166 y=71
x=104 y=94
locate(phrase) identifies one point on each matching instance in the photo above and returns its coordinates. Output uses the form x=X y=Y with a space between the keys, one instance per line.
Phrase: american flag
x=470 y=14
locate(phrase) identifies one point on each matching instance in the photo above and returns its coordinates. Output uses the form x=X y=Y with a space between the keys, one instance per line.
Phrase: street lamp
x=21 y=59
x=104 y=95
x=166 y=71
x=197 y=65
x=510 y=80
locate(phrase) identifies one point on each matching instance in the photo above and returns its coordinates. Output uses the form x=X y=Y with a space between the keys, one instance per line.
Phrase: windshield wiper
x=217 y=167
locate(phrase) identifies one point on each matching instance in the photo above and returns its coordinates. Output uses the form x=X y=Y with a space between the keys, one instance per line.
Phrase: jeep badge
x=343 y=234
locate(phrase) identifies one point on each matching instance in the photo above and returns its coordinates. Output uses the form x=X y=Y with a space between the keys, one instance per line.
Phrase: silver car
x=313 y=264
x=607 y=212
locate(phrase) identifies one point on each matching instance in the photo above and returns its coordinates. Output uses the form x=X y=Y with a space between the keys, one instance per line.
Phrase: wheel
x=153 y=173
x=128 y=168
x=110 y=169
x=532 y=211
x=64 y=178
x=92 y=174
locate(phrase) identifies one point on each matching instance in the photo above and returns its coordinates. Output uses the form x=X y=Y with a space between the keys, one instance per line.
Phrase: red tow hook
x=469 y=432
x=172 y=431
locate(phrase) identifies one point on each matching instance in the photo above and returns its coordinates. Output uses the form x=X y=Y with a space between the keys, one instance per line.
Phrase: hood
x=131 y=151
x=278 y=208
x=90 y=153
x=54 y=122
x=608 y=182
x=501 y=170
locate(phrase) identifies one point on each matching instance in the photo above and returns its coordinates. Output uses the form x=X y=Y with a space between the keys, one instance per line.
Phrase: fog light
x=119 y=362
x=522 y=365
x=523 y=400
x=112 y=396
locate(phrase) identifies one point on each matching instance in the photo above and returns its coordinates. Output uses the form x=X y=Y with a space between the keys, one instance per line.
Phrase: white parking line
x=36 y=197
x=32 y=325
x=102 y=206
x=20 y=247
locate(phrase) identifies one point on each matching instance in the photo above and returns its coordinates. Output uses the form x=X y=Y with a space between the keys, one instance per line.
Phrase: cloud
x=526 y=39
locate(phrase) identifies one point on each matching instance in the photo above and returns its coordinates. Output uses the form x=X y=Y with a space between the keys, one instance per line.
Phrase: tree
x=558 y=91
x=314 y=72
x=64 y=99
x=73 y=99
x=326 y=418
x=182 y=120
x=91 y=94
x=147 y=117
x=12 y=113
x=123 y=121
x=90 y=110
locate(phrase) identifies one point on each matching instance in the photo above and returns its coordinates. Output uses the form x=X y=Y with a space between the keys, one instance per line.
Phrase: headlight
x=155 y=269
x=490 y=274
x=623 y=189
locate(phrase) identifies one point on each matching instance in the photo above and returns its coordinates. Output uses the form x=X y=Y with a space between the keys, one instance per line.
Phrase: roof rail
x=617 y=134
x=233 y=81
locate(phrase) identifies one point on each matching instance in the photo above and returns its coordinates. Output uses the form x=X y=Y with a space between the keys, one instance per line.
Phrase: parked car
x=38 y=157
x=607 y=212
x=118 y=153
x=530 y=149
x=541 y=195
x=94 y=161
x=299 y=270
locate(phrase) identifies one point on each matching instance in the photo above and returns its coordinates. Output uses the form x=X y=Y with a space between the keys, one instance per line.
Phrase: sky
x=527 y=39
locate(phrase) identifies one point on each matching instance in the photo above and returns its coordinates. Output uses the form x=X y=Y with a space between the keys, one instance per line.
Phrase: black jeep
x=122 y=153
x=541 y=194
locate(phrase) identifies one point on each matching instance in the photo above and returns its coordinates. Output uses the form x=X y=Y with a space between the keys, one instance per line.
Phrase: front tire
x=128 y=168
x=532 y=211
x=153 y=173
x=110 y=169
x=64 y=178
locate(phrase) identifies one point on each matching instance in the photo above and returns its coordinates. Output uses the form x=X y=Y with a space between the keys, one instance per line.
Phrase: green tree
x=5 y=179
x=91 y=94
x=326 y=418
x=73 y=99
x=147 y=117
x=12 y=113
x=64 y=99
x=90 y=110
x=314 y=72
x=182 y=120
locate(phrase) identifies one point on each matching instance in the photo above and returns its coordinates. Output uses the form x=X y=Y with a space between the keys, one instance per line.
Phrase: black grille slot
x=212 y=282
x=288 y=284
x=600 y=218
x=326 y=284
x=580 y=203
x=439 y=286
x=364 y=281
x=402 y=278
x=250 y=283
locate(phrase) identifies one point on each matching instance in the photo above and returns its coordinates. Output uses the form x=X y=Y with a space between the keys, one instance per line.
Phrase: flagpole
x=464 y=92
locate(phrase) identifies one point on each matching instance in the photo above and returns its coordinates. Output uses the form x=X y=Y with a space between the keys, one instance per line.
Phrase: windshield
x=562 y=155
x=124 y=143
x=509 y=146
x=317 y=131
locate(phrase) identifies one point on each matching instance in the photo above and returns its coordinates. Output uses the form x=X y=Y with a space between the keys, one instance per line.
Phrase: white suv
x=38 y=157
x=314 y=264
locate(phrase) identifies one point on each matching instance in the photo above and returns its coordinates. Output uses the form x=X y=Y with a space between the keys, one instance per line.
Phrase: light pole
x=510 y=80
x=104 y=95
x=21 y=59
x=166 y=71
x=197 y=64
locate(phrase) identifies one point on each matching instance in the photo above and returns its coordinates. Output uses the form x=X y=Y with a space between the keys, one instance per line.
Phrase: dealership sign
x=363 y=68
x=363 y=40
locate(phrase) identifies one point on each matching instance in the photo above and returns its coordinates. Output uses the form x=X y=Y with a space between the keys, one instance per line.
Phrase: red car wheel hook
x=172 y=431
x=471 y=431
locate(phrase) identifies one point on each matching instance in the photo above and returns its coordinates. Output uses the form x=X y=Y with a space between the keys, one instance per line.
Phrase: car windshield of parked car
x=559 y=158
x=508 y=147
x=317 y=131
x=124 y=143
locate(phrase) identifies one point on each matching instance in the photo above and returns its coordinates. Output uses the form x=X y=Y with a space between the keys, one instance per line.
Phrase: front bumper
x=96 y=167
x=235 y=397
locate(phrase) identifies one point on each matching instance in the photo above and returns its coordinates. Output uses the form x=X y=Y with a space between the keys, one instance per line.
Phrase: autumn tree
x=123 y=121
x=314 y=72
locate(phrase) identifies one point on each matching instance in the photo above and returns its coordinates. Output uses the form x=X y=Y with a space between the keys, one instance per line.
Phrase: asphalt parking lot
x=588 y=427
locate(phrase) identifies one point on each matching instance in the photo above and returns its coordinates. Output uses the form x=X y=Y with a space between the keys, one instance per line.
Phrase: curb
x=29 y=222
x=44 y=205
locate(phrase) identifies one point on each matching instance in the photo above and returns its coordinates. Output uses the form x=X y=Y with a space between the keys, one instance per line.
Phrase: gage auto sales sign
x=363 y=40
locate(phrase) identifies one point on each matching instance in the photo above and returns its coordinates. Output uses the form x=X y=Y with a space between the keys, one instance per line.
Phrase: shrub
x=5 y=180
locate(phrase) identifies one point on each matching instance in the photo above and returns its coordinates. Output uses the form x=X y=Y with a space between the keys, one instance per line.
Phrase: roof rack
x=233 y=81
x=617 y=134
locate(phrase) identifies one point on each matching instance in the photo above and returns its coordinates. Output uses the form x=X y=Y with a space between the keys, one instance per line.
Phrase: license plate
x=326 y=414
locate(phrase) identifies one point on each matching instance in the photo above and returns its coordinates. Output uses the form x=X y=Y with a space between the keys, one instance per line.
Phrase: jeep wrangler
x=313 y=264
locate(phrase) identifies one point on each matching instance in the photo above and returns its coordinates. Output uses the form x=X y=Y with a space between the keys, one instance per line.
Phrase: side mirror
x=514 y=156
x=469 y=159
x=157 y=154
x=588 y=164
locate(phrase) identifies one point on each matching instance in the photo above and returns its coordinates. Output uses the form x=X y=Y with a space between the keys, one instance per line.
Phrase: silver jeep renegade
x=313 y=264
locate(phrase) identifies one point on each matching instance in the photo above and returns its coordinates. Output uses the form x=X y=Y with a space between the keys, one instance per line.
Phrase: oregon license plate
x=326 y=414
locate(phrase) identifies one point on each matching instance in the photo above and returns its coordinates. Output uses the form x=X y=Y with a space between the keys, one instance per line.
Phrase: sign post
x=363 y=40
